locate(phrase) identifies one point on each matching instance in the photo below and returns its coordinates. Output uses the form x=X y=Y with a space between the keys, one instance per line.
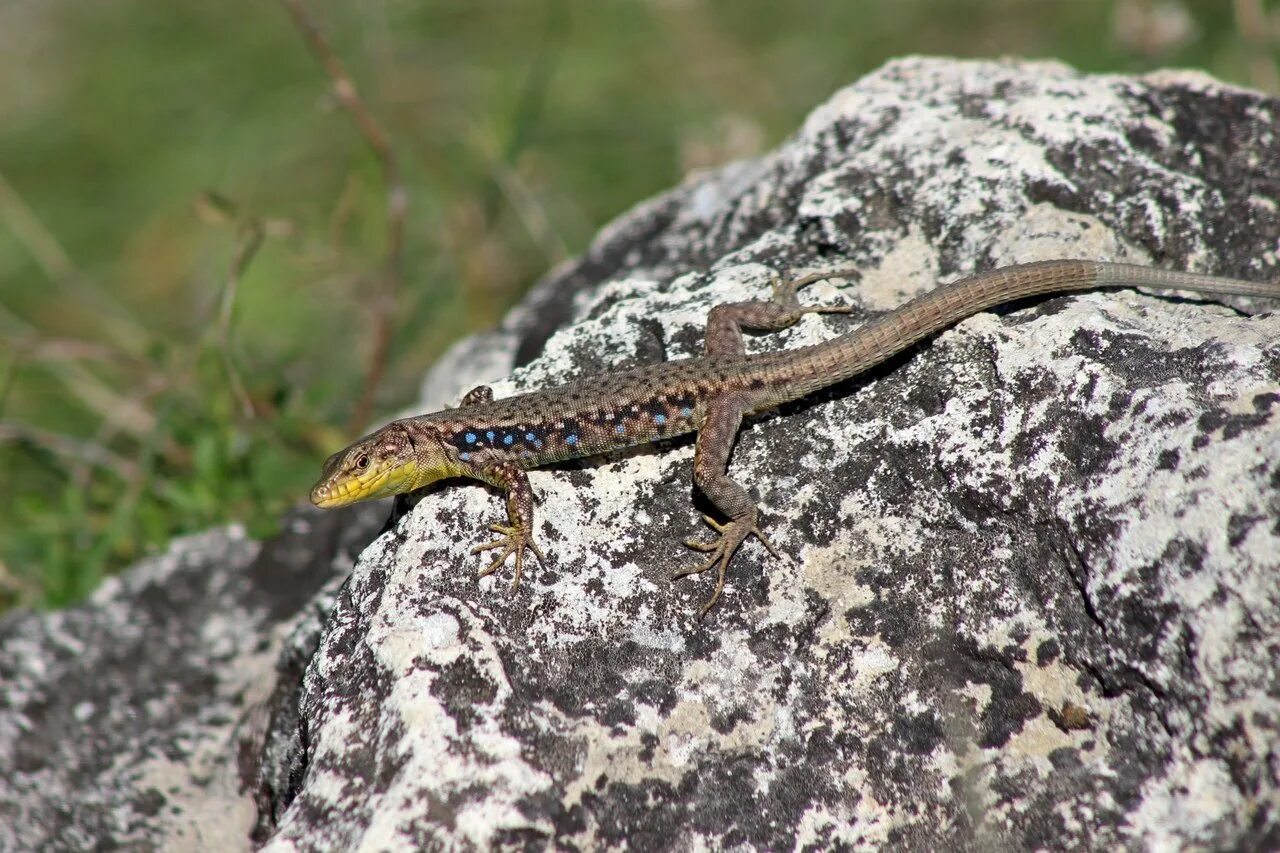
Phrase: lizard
x=498 y=441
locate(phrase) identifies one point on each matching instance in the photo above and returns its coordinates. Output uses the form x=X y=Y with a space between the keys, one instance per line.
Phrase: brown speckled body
x=593 y=415
x=497 y=441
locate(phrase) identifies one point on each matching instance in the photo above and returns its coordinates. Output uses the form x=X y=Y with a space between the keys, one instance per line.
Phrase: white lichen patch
x=619 y=758
x=907 y=270
x=864 y=823
x=422 y=737
x=1187 y=805
x=1056 y=686
x=1046 y=232
x=683 y=736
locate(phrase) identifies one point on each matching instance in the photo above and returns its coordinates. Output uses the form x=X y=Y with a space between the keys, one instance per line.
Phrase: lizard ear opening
x=407 y=433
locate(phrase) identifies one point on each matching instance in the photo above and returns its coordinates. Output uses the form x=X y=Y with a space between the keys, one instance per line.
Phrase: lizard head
x=390 y=461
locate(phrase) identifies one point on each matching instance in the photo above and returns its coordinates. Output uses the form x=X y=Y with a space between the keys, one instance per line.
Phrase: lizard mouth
x=377 y=483
x=331 y=493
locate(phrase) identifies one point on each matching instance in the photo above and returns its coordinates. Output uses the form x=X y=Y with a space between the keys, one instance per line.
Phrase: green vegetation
x=520 y=129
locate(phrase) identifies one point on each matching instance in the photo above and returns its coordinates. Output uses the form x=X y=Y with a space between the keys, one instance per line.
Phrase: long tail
x=834 y=361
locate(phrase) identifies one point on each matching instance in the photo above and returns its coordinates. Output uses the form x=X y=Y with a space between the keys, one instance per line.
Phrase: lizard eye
x=362 y=461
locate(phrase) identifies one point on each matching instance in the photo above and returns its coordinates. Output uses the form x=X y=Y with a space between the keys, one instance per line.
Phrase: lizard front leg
x=477 y=396
x=517 y=537
x=710 y=461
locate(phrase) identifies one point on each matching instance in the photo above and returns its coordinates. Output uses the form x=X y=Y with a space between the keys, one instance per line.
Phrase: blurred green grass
x=521 y=128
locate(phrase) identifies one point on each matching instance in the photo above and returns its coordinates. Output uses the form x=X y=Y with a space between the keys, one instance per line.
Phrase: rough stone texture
x=1031 y=587
x=136 y=721
x=1032 y=591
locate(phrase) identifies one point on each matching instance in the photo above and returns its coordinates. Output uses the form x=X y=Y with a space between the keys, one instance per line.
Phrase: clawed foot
x=721 y=550
x=785 y=293
x=515 y=540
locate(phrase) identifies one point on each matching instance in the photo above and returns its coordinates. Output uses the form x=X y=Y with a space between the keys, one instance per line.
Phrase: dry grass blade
x=70 y=349
x=250 y=239
x=30 y=231
x=251 y=232
x=70 y=448
x=57 y=266
x=95 y=394
x=383 y=304
x=523 y=201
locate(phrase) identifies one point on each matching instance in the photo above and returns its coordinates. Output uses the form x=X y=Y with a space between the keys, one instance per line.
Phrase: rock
x=1030 y=591
x=136 y=720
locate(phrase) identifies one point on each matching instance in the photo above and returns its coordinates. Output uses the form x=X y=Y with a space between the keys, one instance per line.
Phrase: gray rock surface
x=136 y=720
x=1030 y=592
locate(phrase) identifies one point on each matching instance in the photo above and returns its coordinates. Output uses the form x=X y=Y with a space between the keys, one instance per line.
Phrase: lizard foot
x=785 y=293
x=515 y=540
x=721 y=549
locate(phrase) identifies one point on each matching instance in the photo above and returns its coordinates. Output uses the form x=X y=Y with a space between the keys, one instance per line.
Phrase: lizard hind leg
x=711 y=457
x=785 y=292
x=726 y=321
x=721 y=549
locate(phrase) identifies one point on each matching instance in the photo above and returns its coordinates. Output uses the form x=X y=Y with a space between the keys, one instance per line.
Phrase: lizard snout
x=320 y=493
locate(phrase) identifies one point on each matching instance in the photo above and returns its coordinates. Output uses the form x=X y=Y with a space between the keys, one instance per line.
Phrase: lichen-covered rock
x=136 y=720
x=1031 y=591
